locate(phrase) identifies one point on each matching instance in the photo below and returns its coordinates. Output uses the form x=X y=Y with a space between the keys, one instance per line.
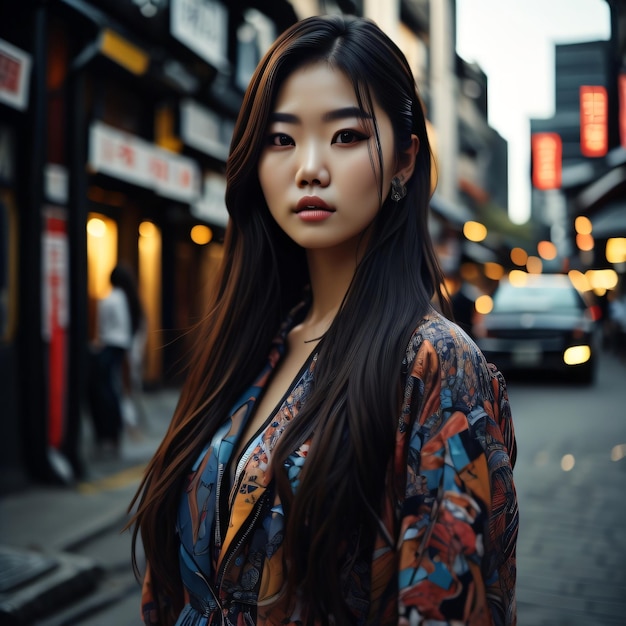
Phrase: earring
x=398 y=189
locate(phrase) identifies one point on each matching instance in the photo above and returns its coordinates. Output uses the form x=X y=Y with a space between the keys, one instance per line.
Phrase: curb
x=62 y=578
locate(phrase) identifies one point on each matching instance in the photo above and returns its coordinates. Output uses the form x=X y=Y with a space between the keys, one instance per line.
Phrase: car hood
x=528 y=320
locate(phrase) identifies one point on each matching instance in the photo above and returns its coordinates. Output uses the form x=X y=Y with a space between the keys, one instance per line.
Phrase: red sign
x=56 y=319
x=621 y=87
x=547 y=160
x=594 y=137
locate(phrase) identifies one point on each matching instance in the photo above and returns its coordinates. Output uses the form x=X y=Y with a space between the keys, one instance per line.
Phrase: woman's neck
x=330 y=275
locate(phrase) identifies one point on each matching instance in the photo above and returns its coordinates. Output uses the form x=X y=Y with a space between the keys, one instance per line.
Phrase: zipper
x=218 y=488
x=242 y=536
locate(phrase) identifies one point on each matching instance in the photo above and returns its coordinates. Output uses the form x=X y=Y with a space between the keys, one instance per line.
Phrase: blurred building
x=115 y=123
x=585 y=155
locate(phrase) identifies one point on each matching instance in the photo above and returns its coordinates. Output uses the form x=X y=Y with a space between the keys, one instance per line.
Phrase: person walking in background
x=119 y=322
x=341 y=452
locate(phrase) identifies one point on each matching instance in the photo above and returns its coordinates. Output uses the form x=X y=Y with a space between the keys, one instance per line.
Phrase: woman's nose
x=313 y=169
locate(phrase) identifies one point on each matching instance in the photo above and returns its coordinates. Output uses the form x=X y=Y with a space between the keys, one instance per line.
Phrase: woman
x=341 y=453
x=119 y=321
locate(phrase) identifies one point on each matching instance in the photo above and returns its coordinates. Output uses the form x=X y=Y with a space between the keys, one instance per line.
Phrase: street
x=570 y=477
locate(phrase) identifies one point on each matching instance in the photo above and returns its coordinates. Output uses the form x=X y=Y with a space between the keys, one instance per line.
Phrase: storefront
x=123 y=138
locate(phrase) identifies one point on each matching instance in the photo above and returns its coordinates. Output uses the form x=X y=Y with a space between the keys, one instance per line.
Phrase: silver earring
x=398 y=189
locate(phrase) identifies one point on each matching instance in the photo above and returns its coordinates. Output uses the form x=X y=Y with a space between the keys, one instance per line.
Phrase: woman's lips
x=313 y=209
x=314 y=215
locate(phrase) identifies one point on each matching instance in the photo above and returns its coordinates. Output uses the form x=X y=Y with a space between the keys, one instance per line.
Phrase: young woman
x=119 y=322
x=341 y=453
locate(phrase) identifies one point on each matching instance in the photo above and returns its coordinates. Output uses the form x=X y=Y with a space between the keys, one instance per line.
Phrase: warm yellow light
x=618 y=452
x=547 y=250
x=148 y=229
x=469 y=272
x=582 y=225
x=602 y=279
x=102 y=246
x=616 y=250
x=567 y=462
x=122 y=51
x=483 y=304
x=96 y=227
x=577 y=355
x=579 y=280
x=584 y=242
x=474 y=231
x=493 y=271
x=518 y=278
x=534 y=265
x=519 y=256
x=201 y=234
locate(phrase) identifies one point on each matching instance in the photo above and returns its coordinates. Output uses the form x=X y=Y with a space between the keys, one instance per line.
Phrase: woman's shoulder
x=445 y=348
x=443 y=335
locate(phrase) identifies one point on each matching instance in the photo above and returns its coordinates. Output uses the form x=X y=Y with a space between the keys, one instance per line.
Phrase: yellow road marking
x=115 y=481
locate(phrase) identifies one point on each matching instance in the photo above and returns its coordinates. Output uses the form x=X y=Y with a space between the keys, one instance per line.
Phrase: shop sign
x=202 y=26
x=205 y=130
x=134 y=160
x=594 y=107
x=55 y=318
x=14 y=75
x=212 y=206
x=546 y=160
x=56 y=182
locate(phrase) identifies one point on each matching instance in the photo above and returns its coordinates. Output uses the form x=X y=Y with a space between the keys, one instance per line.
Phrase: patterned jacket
x=453 y=559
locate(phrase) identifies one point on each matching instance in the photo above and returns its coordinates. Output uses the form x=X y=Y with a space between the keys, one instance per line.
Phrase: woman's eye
x=279 y=139
x=349 y=136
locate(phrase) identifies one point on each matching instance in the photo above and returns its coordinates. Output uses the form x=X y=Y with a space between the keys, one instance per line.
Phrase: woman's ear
x=406 y=162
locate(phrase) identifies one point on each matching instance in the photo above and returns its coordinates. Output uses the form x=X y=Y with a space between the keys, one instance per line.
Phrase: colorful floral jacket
x=453 y=561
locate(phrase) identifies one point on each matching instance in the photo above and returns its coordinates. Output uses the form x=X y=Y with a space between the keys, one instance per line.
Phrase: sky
x=513 y=42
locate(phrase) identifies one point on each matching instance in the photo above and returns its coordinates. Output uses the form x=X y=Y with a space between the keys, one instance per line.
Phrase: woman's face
x=318 y=168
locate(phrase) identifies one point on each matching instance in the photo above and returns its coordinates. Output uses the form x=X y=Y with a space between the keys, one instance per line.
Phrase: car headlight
x=577 y=355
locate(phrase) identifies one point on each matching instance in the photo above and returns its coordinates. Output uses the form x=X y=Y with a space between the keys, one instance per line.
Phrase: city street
x=570 y=478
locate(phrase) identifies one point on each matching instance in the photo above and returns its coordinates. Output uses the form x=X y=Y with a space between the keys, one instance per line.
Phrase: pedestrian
x=341 y=453
x=120 y=321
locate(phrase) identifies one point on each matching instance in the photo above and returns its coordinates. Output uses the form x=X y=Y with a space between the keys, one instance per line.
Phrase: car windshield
x=510 y=299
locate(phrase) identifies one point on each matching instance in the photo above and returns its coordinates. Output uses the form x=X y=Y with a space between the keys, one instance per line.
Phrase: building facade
x=115 y=123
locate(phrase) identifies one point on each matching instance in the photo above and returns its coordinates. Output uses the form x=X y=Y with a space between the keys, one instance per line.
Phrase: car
x=541 y=323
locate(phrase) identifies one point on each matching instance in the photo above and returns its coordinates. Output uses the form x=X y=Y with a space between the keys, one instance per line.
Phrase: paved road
x=571 y=481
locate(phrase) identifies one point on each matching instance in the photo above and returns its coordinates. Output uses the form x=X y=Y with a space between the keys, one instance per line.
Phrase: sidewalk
x=41 y=525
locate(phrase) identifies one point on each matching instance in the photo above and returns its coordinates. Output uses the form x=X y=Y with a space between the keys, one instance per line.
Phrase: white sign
x=14 y=75
x=212 y=206
x=205 y=130
x=130 y=158
x=56 y=183
x=202 y=26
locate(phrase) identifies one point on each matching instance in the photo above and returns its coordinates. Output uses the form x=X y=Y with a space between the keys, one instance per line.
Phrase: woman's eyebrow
x=340 y=114
x=330 y=116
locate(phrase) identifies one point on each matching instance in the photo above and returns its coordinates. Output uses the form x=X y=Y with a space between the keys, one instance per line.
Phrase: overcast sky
x=513 y=42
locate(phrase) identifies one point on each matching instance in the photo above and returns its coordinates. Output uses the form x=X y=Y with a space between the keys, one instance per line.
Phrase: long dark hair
x=352 y=411
x=122 y=277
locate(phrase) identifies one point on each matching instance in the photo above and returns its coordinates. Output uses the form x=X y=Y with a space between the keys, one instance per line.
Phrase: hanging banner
x=546 y=160
x=55 y=318
x=594 y=115
x=134 y=160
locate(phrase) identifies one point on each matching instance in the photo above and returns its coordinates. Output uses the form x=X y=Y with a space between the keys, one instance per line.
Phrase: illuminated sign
x=594 y=139
x=547 y=161
x=621 y=85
